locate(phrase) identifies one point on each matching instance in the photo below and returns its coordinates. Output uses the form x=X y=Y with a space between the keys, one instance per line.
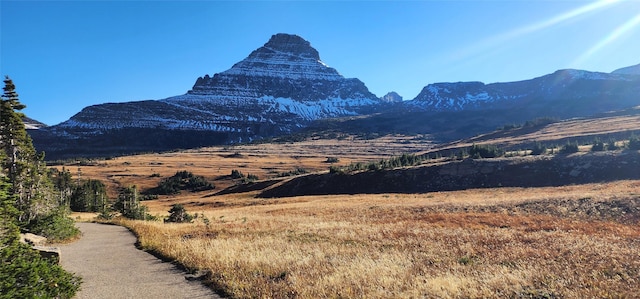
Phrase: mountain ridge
x=283 y=87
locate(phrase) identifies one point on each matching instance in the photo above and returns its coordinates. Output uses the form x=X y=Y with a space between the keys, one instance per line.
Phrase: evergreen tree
x=89 y=196
x=129 y=204
x=179 y=214
x=14 y=142
x=26 y=171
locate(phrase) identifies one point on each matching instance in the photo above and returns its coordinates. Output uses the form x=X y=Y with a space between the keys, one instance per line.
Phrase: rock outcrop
x=391 y=97
x=39 y=243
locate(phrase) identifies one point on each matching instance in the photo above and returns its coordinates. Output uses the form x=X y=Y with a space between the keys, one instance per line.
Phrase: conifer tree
x=25 y=170
x=13 y=137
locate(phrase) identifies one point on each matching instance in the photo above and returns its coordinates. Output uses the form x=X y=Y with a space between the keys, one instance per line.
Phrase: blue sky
x=66 y=55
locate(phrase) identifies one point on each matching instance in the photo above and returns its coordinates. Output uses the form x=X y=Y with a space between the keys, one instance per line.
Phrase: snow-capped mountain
x=563 y=93
x=32 y=124
x=278 y=88
x=391 y=97
x=283 y=84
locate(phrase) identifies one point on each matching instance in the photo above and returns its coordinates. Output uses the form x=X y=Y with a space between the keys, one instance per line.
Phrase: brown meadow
x=485 y=243
x=578 y=241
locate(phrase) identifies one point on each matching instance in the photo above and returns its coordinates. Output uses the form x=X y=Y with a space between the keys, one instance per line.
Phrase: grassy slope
x=578 y=241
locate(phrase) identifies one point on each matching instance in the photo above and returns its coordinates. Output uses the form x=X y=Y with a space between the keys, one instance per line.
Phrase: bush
x=25 y=274
x=182 y=180
x=236 y=174
x=297 y=171
x=612 y=146
x=598 y=146
x=332 y=160
x=56 y=226
x=634 y=143
x=569 y=148
x=485 y=151
x=538 y=149
x=336 y=169
x=178 y=214
x=541 y=121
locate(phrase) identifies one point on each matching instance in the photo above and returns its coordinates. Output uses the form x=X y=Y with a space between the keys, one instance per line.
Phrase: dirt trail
x=112 y=267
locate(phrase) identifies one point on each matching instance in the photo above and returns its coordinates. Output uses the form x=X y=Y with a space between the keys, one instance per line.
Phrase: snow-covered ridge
x=586 y=75
x=278 y=66
x=561 y=85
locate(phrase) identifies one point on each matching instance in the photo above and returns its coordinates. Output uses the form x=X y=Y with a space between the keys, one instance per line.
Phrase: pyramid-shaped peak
x=293 y=44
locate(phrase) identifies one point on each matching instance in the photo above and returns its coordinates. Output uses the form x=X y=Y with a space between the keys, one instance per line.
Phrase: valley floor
x=579 y=241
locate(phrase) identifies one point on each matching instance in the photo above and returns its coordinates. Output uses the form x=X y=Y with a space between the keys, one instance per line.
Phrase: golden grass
x=263 y=160
x=578 y=241
x=435 y=245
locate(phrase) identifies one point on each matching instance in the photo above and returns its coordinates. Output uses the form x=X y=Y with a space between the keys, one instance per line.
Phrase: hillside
x=531 y=171
x=522 y=226
x=280 y=160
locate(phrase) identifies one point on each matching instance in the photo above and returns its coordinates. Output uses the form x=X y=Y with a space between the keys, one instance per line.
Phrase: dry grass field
x=579 y=241
x=485 y=243
x=263 y=160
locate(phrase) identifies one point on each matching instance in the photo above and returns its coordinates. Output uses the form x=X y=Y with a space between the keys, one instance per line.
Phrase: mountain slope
x=630 y=70
x=565 y=93
x=279 y=88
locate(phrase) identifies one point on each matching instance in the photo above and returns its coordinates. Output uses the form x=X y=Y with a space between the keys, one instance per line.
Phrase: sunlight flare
x=616 y=34
x=500 y=39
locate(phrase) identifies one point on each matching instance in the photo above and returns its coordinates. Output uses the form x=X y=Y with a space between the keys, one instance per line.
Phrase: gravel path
x=112 y=267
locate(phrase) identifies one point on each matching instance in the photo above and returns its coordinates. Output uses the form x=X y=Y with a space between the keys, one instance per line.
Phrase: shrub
x=178 y=214
x=332 y=160
x=611 y=145
x=540 y=121
x=538 y=149
x=182 y=180
x=570 y=147
x=297 y=171
x=236 y=174
x=485 y=151
x=598 y=146
x=25 y=274
x=56 y=226
x=634 y=143
x=336 y=169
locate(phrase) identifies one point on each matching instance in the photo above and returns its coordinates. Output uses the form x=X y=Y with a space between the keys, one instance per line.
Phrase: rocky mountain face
x=565 y=93
x=32 y=124
x=279 y=88
x=283 y=87
x=392 y=97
